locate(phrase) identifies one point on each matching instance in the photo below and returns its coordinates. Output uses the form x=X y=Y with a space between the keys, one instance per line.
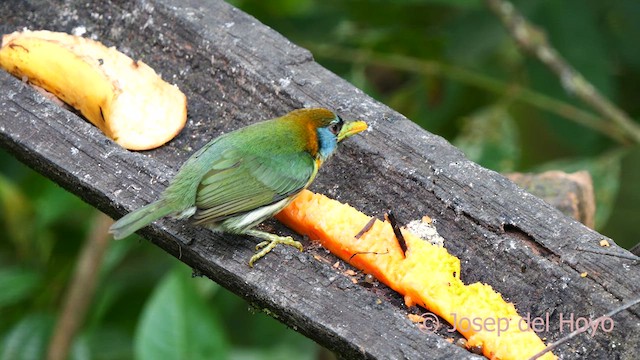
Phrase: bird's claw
x=266 y=246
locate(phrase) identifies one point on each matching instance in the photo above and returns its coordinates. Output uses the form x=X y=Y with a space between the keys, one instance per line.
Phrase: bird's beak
x=351 y=128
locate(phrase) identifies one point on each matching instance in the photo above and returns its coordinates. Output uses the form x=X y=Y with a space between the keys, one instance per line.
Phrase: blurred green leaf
x=473 y=38
x=266 y=338
x=625 y=212
x=623 y=27
x=461 y=3
x=80 y=350
x=109 y=291
x=282 y=351
x=177 y=324
x=585 y=55
x=17 y=215
x=28 y=340
x=116 y=253
x=490 y=138
x=17 y=284
x=622 y=20
x=55 y=206
x=106 y=343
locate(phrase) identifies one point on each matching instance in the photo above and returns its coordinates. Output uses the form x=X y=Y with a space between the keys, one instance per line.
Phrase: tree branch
x=533 y=41
x=515 y=93
x=81 y=288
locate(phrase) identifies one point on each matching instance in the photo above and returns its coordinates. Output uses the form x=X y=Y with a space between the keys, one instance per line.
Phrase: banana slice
x=124 y=98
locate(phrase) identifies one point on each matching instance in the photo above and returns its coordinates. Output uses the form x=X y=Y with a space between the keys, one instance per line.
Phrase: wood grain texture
x=236 y=71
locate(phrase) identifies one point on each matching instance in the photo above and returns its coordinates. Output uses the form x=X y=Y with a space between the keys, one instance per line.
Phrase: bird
x=241 y=178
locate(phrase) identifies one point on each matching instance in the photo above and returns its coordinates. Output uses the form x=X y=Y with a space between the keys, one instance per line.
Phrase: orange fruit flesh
x=427 y=275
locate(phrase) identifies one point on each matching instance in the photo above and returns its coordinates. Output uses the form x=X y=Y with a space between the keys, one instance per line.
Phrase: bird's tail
x=140 y=218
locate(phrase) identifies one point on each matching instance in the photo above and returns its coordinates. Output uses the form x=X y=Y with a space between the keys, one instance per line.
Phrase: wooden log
x=572 y=194
x=236 y=71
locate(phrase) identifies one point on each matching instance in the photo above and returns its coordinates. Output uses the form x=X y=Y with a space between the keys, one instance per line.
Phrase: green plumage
x=242 y=178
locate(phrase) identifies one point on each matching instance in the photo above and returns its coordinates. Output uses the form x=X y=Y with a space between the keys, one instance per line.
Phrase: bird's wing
x=241 y=182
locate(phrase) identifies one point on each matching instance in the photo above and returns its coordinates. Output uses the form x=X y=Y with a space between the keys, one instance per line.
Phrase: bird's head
x=324 y=130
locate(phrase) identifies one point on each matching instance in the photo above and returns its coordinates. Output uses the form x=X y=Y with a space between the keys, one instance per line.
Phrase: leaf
x=458 y=3
x=281 y=351
x=474 y=38
x=17 y=214
x=625 y=212
x=80 y=349
x=490 y=138
x=623 y=25
x=28 y=339
x=54 y=206
x=586 y=56
x=176 y=323
x=17 y=284
x=103 y=343
x=268 y=338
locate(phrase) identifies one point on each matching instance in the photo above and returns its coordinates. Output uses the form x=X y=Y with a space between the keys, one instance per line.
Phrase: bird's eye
x=336 y=126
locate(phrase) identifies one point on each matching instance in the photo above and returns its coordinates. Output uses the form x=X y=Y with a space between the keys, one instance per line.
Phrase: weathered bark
x=572 y=194
x=236 y=71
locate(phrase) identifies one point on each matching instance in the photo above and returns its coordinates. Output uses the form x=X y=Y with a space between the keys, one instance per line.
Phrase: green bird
x=242 y=178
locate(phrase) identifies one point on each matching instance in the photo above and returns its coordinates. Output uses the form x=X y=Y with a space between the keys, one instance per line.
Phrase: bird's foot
x=269 y=243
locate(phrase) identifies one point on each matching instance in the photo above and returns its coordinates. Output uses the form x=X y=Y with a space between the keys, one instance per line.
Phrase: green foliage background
x=447 y=65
